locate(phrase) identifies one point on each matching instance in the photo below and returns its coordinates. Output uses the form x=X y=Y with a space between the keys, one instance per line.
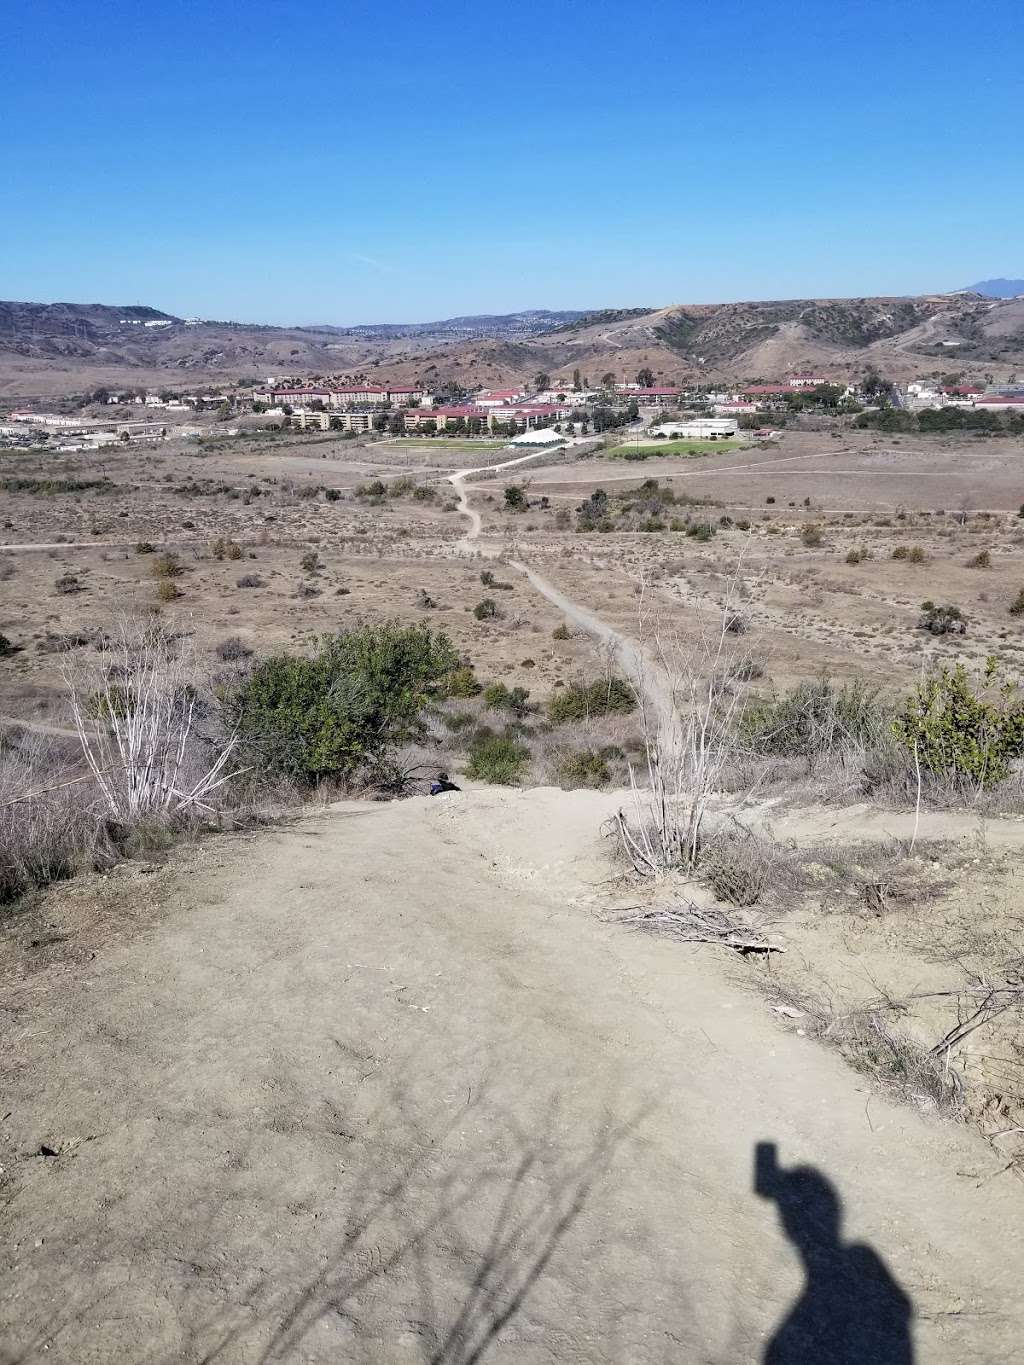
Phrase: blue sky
x=345 y=162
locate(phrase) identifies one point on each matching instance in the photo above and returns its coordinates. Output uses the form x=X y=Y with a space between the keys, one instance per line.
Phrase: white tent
x=539 y=436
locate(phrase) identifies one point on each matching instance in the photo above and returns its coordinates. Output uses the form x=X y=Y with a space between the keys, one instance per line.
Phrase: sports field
x=646 y=452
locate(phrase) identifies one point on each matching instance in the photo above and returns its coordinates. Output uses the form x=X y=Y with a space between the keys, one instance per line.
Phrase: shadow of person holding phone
x=852 y=1311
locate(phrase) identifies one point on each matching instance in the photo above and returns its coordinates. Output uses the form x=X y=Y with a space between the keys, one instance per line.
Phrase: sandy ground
x=386 y=1087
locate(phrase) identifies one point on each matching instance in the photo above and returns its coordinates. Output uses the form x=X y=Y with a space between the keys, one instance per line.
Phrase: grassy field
x=673 y=448
x=454 y=446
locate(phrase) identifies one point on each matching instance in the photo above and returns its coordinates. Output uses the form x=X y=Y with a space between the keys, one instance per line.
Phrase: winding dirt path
x=643 y=670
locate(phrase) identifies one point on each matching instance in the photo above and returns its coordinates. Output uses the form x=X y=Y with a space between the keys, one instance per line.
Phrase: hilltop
x=55 y=348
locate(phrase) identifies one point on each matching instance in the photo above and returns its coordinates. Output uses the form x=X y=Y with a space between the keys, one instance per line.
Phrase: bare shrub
x=47 y=831
x=689 y=715
x=136 y=709
x=232 y=649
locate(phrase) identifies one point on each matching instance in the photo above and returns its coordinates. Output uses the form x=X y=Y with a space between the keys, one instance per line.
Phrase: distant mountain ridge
x=66 y=348
x=998 y=289
x=529 y=322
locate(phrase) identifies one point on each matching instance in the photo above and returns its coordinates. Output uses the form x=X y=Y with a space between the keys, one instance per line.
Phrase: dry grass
x=870 y=1039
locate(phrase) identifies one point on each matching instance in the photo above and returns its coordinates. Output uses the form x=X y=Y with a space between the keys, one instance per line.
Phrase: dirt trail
x=638 y=666
x=386 y=1087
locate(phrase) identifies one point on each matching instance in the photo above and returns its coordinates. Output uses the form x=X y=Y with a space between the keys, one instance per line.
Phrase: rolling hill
x=47 y=349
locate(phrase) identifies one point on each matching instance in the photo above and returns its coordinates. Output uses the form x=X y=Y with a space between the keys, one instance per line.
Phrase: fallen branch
x=691 y=924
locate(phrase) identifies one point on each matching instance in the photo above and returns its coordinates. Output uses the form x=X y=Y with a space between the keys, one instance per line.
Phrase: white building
x=700 y=429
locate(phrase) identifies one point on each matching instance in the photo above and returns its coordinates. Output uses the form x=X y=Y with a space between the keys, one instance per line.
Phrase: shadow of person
x=851 y=1311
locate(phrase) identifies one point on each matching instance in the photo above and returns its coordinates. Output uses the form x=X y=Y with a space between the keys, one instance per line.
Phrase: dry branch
x=693 y=924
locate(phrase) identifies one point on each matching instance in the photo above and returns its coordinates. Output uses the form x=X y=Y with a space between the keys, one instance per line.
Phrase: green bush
x=497 y=758
x=361 y=692
x=167 y=565
x=813 y=718
x=502 y=698
x=582 y=768
x=487 y=610
x=1017 y=605
x=581 y=701
x=913 y=554
x=561 y=632
x=461 y=682
x=959 y=730
x=947 y=620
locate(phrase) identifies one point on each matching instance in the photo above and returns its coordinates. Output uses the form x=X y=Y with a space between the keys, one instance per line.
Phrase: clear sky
x=348 y=162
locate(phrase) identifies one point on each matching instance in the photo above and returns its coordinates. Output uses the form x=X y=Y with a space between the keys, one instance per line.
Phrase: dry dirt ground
x=808 y=608
x=388 y=1085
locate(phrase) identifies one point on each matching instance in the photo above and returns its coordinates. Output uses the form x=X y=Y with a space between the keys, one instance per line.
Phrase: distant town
x=544 y=411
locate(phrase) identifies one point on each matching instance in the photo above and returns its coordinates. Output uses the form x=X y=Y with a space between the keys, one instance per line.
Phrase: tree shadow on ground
x=852 y=1311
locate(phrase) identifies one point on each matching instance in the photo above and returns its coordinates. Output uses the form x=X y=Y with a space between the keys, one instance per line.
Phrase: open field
x=652 y=448
x=811 y=503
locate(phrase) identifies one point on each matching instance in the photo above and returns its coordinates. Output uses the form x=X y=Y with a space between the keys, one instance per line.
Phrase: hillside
x=59 y=348
x=998 y=289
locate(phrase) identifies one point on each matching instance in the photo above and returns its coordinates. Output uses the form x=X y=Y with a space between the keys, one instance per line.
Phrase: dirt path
x=386 y=1087
x=638 y=666
x=40 y=727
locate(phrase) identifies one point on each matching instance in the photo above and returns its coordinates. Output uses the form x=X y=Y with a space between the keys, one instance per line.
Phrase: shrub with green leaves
x=461 y=682
x=487 y=610
x=362 y=691
x=502 y=698
x=497 y=758
x=942 y=620
x=582 y=700
x=960 y=730
x=582 y=768
x=167 y=565
x=814 y=718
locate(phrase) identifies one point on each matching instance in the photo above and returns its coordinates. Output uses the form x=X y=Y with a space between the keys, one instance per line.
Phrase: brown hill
x=47 y=349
